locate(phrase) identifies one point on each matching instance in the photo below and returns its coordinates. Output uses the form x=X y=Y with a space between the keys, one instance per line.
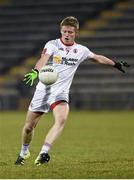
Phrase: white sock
x=24 y=149
x=45 y=148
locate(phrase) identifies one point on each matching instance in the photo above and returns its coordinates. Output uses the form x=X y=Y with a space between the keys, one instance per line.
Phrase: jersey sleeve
x=49 y=48
x=88 y=54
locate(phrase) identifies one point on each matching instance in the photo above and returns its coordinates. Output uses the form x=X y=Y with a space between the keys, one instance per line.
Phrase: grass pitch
x=93 y=145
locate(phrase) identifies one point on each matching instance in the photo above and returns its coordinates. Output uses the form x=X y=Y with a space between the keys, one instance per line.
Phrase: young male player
x=66 y=56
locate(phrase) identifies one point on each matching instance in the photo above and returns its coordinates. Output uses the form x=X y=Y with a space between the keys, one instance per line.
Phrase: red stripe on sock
x=47 y=144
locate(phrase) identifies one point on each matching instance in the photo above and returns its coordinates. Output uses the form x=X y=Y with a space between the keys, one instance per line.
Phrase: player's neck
x=67 y=44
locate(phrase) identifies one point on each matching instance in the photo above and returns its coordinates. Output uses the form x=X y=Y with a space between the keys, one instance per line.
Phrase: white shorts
x=42 y=101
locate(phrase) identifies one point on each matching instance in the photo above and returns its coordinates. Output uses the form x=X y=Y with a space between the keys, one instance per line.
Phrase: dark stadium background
x=107 y=27
x=98 y=139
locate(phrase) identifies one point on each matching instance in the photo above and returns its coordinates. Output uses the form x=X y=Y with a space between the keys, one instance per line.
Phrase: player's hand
x=120 y=65
x=30 y=77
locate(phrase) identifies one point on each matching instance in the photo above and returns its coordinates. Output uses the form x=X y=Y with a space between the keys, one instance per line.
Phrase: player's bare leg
x=60 y=113
x=32 y=119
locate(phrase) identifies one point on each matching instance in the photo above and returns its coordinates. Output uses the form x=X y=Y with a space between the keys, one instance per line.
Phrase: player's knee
x=28 y=128
x=61 y=121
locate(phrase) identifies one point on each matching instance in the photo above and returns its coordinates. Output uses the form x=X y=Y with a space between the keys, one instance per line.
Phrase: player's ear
x=76 y=32
x=60 y=31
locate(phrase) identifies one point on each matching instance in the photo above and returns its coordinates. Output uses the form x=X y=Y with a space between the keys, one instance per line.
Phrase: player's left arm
x=104 y=60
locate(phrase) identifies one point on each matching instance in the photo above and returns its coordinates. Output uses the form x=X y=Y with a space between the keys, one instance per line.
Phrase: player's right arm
x=46 y=53
x=30 y=77
x=42 y=61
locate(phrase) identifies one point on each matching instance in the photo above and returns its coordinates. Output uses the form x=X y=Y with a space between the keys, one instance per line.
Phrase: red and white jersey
x=65 y=59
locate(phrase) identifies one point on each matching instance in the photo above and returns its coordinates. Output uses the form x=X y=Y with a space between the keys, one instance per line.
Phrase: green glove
x=30 y=77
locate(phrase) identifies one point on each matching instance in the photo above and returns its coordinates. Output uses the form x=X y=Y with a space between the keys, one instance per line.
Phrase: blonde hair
x=70 y=21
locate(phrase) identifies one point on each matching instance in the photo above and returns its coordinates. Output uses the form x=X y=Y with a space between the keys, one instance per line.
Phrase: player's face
x=68 y=34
